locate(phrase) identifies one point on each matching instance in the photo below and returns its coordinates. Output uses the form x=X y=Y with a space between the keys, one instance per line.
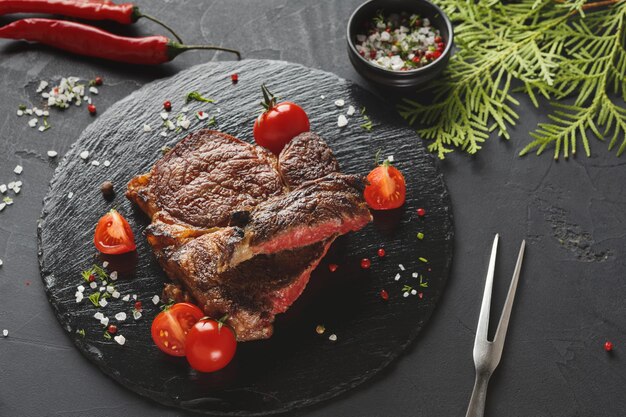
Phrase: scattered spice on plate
x=332 y=267
x=608 y=346
x=384 y=295
x=366 y=263
x=381 y=252
x=421 y=212
x=420 y=235
x=320 y=329
x=234 y=78
x=167 y=105
x=92 y=109
x=400 y=42
x=107 y=190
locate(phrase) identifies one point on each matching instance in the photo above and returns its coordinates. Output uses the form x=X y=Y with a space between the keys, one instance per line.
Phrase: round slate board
x=296 y=367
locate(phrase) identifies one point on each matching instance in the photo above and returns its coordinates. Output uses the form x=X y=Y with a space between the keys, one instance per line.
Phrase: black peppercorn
x=107 y=190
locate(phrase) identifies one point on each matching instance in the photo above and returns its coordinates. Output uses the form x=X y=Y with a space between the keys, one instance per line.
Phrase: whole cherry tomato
x=210 y=345
x=279 y=123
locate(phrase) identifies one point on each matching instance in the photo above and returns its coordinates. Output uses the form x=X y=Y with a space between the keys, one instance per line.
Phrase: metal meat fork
x=487 y=354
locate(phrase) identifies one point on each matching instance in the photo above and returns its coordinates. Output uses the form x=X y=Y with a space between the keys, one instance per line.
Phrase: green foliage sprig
x=555 y=49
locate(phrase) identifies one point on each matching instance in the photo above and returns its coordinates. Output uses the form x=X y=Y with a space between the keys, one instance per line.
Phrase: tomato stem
x=269 y=100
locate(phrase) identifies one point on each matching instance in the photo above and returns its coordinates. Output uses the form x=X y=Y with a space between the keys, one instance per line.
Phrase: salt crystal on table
x=121 y=316
x=84 y=154
x=18 y=169
x=339 y=103
x=120 y=339
x=5 y=333
x=107 y=163
x=342 y=121
x=351 y=111
x=52 y=154
x=3 y=188
x=156 y=299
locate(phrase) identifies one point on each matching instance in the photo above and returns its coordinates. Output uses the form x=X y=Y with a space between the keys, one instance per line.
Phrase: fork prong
x=503 y=324
x=483 y=320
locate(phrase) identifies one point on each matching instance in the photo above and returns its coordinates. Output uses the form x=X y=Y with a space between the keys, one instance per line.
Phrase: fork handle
x=476 y=406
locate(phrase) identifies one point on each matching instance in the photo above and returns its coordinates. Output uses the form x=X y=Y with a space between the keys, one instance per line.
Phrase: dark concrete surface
x=571 y=293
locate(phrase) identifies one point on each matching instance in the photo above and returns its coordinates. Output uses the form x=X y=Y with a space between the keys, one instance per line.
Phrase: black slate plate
x=297 y=367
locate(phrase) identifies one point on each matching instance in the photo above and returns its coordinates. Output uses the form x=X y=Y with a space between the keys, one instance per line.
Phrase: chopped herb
x=22 y=107
x=196 y=96
x=367 y=122
x=94 y=270
x=406 y=288
x=422 y=283
x=81 y=332
x=423 y=260
x=420 y=235
x=95 y=299
x=107 y=335
x=212 y=121
x=8 y=200
x=165 y=150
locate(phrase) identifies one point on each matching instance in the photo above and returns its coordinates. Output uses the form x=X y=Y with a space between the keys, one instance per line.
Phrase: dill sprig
x=557 y=49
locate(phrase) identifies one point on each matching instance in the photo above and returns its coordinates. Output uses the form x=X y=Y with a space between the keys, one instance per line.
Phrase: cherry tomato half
x=386 y=188
x=170 y=327
x=279 y=123
x=113 y=234
x=210 y=346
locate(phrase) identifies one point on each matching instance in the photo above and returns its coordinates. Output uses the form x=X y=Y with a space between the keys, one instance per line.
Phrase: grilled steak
x=241 y=230
x=206 y=177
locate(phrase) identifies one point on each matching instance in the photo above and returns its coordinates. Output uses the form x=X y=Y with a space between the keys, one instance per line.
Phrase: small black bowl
x=366 y=12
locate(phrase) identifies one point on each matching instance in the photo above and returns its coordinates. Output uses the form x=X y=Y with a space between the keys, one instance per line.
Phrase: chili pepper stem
x=158 y=22
x=178 y=48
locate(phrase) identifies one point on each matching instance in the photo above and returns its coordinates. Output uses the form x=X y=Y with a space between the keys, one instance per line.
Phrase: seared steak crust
x=306 y=157
x=200 y=182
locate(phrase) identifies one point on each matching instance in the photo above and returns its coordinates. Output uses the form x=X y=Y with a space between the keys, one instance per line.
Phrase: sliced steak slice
x=206 y=177
x=251 y=293
x=305 y=158
x=315 y=211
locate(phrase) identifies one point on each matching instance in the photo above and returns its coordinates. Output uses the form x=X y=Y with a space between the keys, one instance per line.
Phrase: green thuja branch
x=544 y=47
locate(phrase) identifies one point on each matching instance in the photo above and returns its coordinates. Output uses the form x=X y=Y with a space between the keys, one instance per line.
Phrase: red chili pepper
x=90 y=41
x=125 y=13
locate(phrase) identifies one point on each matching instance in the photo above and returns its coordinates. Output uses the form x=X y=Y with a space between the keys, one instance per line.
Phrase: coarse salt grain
x=351 y=110
x=33 y=122
x=18 y=169
x=342 y=121
x=390 y=158
x=5 y=333
x=164 y=134
x=156 y=299
x=126 y=297
x=2 y=206
x=164 y=115
x=52 y=154
x=104 y=321
x=70 y=194
x=415 y=274
x=1 y=263
x=184 y=109
x=110 y=289
x=80 y=288
x=322 y=97
x=84 y=154
x=401 y=267
x=121 y=316
x=20 y=113
x=136 y=314
x=3 y=188
x=102 y=289
x=93 y=285
x=120 y=339
x=406 y=294
x=93 y=90
x=134 y=296
x=332 y=337
x=98 y=316
x=103 y=302
x=339 y=103
x=107 y=163
x=79 y=296
x=413 y=292
x=147 y=128
x=397 y=277
x=95 y=163
x=115 y=294
x=113 y=275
